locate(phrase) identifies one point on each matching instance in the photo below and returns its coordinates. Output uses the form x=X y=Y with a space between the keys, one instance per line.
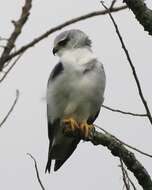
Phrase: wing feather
x=52 y=127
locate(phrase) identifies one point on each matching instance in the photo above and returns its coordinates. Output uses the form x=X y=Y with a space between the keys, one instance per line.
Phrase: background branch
x=37 y=171
x=112 y=4
x=129 y=179
x=123 y=143
x=11 y=109
x=59 y=27
x=10 y=68
x=125 y=180
x=124 y=112
x=142 y=13
x=132 y=67
x=117 y=149
x=18 y=25
x=126 y=176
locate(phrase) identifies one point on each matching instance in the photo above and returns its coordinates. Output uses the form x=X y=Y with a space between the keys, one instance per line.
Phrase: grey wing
x=59 y=145
x=92 y=118
x=52 y=125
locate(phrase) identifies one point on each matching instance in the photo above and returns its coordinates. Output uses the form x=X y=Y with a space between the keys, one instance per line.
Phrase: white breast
x=77 y=57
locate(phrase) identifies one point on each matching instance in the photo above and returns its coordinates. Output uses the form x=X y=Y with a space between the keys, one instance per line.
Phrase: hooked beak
x=55 y=50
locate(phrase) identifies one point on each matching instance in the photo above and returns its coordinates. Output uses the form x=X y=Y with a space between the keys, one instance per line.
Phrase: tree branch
x=10 y=68
x=142 y=13
x=132 y=67
x=59 y=27
x=112 y=4
x=118 y=150
x=11 y=109
x=124 y=112
x=37 y=171
x=18 y=25
x=123 y=143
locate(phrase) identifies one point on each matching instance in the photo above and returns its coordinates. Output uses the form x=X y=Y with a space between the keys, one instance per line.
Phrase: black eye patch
x=63 y=42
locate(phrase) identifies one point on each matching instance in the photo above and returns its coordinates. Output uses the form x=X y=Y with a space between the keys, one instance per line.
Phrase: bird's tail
x=48 y=165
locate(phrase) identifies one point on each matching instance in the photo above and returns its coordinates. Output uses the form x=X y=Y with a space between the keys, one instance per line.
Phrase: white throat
x=77 y=56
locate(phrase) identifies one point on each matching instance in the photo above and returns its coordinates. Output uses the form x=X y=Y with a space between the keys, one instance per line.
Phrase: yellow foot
x=85 y=129
x=71 y=123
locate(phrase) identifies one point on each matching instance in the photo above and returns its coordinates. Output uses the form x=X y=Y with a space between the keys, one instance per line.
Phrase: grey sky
x=25 y=131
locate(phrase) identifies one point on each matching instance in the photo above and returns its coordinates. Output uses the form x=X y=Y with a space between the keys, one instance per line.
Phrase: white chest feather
x=76 y=57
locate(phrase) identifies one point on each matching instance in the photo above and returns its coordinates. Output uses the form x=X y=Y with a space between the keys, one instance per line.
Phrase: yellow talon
x=71 y=123
x=85 y=128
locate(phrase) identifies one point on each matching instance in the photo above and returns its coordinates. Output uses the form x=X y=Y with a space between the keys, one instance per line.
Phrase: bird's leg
x=85 y=128
x=71 y=124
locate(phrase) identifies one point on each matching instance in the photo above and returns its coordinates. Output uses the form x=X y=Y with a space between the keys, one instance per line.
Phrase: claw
x=85 y=129
x=71 y=124
x=82 y=128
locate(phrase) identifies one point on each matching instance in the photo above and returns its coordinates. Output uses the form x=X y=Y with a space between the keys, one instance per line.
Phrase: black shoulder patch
x=57 y=71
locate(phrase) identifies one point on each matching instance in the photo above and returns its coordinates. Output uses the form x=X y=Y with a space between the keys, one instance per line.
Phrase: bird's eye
x=63 y=42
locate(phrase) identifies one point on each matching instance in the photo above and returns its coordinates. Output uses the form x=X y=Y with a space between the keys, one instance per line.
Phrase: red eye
x=63 y=42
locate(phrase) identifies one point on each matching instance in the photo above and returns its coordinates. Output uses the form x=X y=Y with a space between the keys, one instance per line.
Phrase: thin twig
x=10 y=68
x=112 y=4
x=124 y=175
x=37 y=171
x=124 y=112
x=18 y=25
x=6 y=64
x=11 y=109
x=129 y=179
x=131 y=65
x=122 y=142
x=59 y=27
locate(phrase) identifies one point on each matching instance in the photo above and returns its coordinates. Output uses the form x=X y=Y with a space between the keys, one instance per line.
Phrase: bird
x=75 y=94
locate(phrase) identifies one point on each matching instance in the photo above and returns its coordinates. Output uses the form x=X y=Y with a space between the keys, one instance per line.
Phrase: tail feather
x=48 y=166
x=60 y=152
x=58 y=164
x=71 y=148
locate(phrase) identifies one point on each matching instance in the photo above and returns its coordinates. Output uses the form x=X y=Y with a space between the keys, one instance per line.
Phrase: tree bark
x=142 y=13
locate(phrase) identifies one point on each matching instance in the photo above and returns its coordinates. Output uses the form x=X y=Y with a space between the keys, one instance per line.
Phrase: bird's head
x=70 y=39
